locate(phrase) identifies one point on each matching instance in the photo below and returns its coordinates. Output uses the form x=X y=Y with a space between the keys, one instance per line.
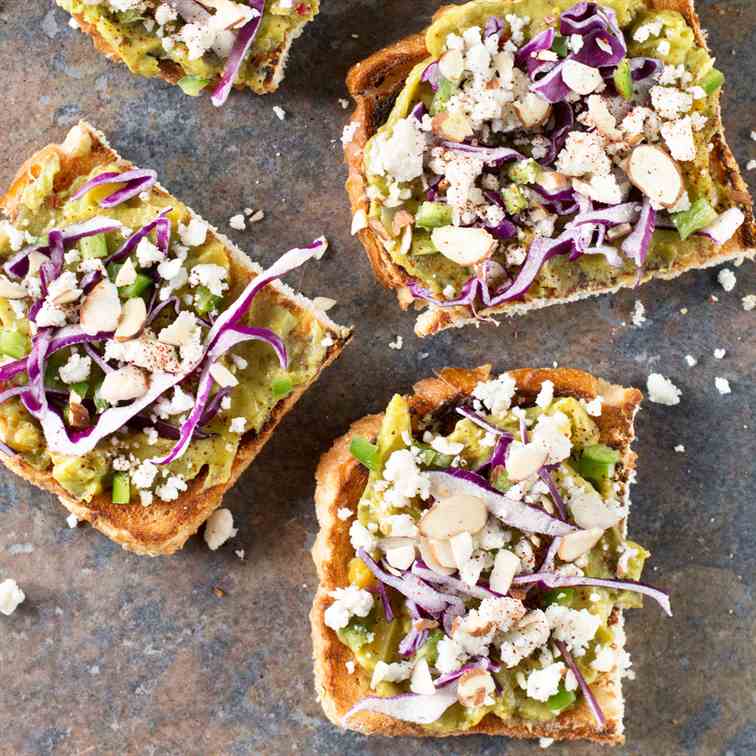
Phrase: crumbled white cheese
x=593 y=408
x=406 y=478
x=726 y=279
x=76 y=369
x=10 y=596
x=144 y=475
x=496 y=395
x=219 y=528
x=348 y=133
x=399 y=155
x=722 y=385
x=72 y=520
x=392 y=672
x=237 y=222
x=237 y=425
x=194 y=233
x=147 y=253
x=279 y=112
x=719 y=354
x=344 y=513
x=545 y=395
x=451 y=655
x=639 y=314
x=211 y=276
x=544 y=683
x=397 y=344
x=348 y=602
x=749 y=302
x=575 y=628
x=680 y=448
x=360 y=537
x=690 y=360
x=171 y=488
x=662 y=391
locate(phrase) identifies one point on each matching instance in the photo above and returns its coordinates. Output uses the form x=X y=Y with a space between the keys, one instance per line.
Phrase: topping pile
x=125 y=345
x=526 y=140
x=490 y=560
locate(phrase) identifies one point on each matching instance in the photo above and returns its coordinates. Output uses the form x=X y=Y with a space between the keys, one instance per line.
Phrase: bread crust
x=272 y=63
x=374 y=84
x=164 y=527
x=340 y=483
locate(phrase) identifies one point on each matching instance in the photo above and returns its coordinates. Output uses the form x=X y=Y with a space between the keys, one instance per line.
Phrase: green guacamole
x=372 y=639
x=558 y=277
x=257 y=369
x=142 y=50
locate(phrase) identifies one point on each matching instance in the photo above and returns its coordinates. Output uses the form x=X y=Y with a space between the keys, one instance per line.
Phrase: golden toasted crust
x=163 y=527
x=271 y=64
x=375 y=82
x=340 y=483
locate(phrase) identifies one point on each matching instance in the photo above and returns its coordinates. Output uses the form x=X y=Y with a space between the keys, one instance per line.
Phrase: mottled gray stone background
x=113 y=653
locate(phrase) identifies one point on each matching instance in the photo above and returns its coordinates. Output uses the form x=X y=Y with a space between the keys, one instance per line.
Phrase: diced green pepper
x=357 y=633
x=429 y=649
x=431 y=458
x=121 y=488
x=561 y=596
x=365 y=452
x=282 y=387
x=561 y=699
x=525 y=171
x=500 y=479
x=136 y=289
x=93 y=246
x=193 y=85
x=712 y=81
x=81 y=389
x=13 y=343
x=205 y=301
x=596 y=463
x=698 y=216
x=433 y=215
x=514 y=199
x=446 y=89
x=623 y=79
x=560 y=46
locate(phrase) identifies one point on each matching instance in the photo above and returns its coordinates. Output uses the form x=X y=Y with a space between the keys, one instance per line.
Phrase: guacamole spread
x=545 y=148
x=134 y=353
x=201 y=40
x=490 y=560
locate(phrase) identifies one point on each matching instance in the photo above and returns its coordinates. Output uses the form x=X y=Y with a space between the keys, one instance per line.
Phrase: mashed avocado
x=262 y=382
x=133 y=37
x=374 y=640
x=674 y=45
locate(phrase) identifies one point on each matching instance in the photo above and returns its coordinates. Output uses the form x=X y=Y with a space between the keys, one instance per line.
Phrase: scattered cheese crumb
x=397 y=344
x=726 y=279
x=237 y=222
x=343 y=102
x=749 y=302
x=691 y=360
x=680 y=448
x=545 y=742
x=10 y=596
x=280 y=112
x=238 y=424
x=751 y=165
x=240 y=553
x=639 y=314
x=219 y=528
x=662 y=391
x=350 y=667
x=723 y=385
x=344 y=513
x=720 y=353
x=72 y=521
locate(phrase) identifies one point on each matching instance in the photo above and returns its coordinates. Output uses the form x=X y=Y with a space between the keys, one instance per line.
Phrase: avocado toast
x=212 y=45
x=146 y=359
x=518 y=155
x=473 y=559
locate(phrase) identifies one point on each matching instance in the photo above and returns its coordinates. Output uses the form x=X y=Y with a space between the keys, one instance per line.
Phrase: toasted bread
x=163 y=527
x=269 y=65
x=374 y=84
x=340 y=483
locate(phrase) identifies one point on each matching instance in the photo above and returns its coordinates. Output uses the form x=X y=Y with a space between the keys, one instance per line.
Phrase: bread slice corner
x=340 y=483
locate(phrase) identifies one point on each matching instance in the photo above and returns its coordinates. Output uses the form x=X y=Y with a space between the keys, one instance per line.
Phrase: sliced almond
x=574 y=545
x=474 y=687
x=652 y=170
x=127 y=274
x=223 y=376
x=124 y=384
x=532 y=110
x=448 y=517
x=401 y=219
x=455 y=127
x=464 y=246
x=421 y=681
x=430 y=559
x=524 y=460
x=11 y=290
x=78 y=415
x=379 y=229
x=581 y=78
x=452 y=65
x=132 y=320
x=553 y=181
x=401 y=557
x=506 y=566
x=589 y=511
x=462 y=548
x=77 y=143
x=442 y=550
x=101 y=309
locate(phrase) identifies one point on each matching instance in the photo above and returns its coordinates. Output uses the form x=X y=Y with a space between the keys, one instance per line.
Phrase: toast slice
x=375 y=84
x=164 y=526
x=262 y=72
x=341 y=480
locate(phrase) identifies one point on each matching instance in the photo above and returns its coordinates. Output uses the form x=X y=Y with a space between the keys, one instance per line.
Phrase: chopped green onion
x=93 y=246
x=561 y=699
x=282 y=387
x=365 y=452
x=712 y=81
x=205 y=301
x=13 y=343
x=561 y=596
x=596 y=463
x=136 y=289
x=193 y=85
x=433 y=215
x=560 y=46
x=121 y=488
x=698 y=216
x=623 y=79
x=432 y=458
